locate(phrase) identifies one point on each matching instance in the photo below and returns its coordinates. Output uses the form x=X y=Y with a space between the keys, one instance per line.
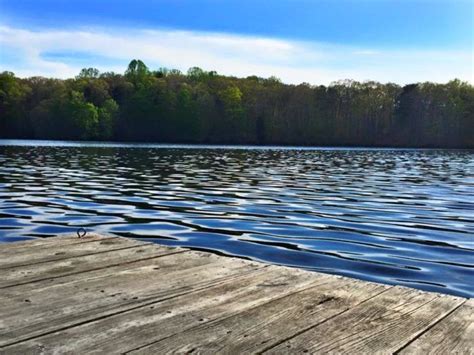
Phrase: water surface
x=386 y=215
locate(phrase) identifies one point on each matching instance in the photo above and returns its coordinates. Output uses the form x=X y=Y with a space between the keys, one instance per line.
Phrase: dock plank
x=383 y=324
x=115 y=295
x=131 y=330
x=66 y=305
x=122 y=251
x=55 y=252
x=138 y=260
x=452 y=335
x=262 y=327
x=29 y=246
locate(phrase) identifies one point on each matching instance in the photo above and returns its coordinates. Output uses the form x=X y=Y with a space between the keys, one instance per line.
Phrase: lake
x=387 y=215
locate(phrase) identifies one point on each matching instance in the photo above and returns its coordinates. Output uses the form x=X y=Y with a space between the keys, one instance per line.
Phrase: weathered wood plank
x=60 y=251
x=129 y=250
x=50 y=309
x=118 y=295
x=452 y=335
x=265 y=326
x=137 y=260
x=383 y=324
x=133 y=329
x=65 y=239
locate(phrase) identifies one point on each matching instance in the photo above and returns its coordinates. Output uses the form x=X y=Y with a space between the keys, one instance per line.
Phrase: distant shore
x=168 y=107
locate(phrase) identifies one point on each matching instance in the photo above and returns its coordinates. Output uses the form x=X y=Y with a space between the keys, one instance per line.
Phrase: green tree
x=83 y=116
x=231 y=98
x=88 y=73
x=232 y=124
x=137 y=72
x=13 y=116
x=107 y=117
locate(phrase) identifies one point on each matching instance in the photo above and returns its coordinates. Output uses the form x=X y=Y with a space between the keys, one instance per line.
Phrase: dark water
x=393 y=216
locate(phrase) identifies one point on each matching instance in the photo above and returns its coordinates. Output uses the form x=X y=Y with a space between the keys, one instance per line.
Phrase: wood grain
x=265 y=326
x=53 y=308
x=131 y=330
x=452 y=335
x=54 y=252
x=115 y=295
x=120 y=251
x=381 y=325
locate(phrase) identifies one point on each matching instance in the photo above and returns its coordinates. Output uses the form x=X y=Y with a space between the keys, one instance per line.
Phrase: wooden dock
x=105 y=294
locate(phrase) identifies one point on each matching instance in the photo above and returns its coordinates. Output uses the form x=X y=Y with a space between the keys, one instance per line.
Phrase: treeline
x=204 y=107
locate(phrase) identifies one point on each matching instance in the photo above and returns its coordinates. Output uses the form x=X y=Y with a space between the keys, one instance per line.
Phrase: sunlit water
x=393 y=216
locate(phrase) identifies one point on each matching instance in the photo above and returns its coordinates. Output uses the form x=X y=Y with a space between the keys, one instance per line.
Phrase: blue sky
x=316 y=41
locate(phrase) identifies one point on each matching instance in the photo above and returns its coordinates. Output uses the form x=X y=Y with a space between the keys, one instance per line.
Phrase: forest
x=168 y=106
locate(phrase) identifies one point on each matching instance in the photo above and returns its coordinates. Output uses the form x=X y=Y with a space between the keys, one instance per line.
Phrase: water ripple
x=394 y=216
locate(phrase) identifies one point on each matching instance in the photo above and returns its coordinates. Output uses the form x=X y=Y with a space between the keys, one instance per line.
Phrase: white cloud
x=292 y=61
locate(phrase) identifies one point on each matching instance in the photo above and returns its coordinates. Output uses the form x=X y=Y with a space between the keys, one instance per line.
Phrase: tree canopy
x=204 y=107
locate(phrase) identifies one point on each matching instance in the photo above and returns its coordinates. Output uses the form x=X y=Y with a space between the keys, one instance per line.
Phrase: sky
x=317 y=41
